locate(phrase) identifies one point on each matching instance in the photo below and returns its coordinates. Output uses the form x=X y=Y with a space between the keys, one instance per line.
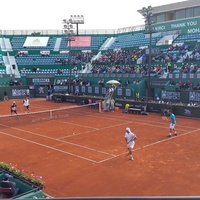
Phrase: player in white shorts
x=26 y=104
x=130 y=141
x=172 y=124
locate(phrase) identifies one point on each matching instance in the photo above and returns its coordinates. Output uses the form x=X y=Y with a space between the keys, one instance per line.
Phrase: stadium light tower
x=68 y=30
x=147 y=12
x=77 y=19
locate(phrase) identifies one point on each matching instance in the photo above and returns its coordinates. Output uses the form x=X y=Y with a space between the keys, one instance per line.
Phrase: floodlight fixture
x=77 y=19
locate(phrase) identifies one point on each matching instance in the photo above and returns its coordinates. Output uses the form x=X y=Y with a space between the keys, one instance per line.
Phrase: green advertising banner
x=188 y=26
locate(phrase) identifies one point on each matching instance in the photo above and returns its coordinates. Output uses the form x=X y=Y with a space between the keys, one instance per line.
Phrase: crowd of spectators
x=15 y=82
x=77 y=81
x=75 y=58
x=36 y=69
x=119 y=69
x=175 y=53
x=125 y=83
x=125 y=61
x=187 y=85
x=22 y=54
x=120 y=57
x=156 y=70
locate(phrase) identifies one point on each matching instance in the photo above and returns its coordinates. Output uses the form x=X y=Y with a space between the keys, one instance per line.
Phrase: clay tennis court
x=86 y=155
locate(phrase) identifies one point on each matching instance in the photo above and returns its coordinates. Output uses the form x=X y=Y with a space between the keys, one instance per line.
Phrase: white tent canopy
x=113 y=82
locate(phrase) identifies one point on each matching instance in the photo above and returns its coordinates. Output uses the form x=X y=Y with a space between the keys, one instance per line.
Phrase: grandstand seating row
x=121 y=41
x=42 y=60
x=128 y=41
x=18 y=44
x=49 y=71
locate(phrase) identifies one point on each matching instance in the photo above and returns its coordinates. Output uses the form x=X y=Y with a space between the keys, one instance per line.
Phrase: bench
x=135 y=110
x=6 y=192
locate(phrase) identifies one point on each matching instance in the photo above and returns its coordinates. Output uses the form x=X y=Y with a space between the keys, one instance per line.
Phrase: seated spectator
x=6 y=183
x=142 y=99
x=22 y=53
x=59 y=71
x=76 y=92
x=20 y=82
x=57 y=60
x=11 y=82
x=126 y=108
x=127 y=82
x=34 y=69
x=23 y=70
x=90 y=101
x=101 y=82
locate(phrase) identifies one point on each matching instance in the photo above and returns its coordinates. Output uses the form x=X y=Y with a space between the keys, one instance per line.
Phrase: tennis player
x=130 y=141
x=26 y=104
x=13 y=108
x=172 y=124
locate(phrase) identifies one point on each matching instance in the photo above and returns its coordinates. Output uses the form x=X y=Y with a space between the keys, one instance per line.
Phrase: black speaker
x=13 y=66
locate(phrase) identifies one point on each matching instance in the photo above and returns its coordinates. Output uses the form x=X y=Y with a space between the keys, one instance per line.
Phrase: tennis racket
x=165 y=118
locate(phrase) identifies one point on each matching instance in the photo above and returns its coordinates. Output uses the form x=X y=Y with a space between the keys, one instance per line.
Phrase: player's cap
x=128 y=129
x=7 y=176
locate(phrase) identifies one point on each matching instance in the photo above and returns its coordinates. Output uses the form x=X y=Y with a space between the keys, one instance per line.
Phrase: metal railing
x=81 y=31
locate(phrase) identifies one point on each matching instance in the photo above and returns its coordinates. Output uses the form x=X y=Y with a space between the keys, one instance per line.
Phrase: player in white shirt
x=26 y=104
x=130 y=141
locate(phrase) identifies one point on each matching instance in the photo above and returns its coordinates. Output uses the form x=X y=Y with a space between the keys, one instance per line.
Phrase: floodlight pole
x=77 y=19
x=69 y=31
x=147 y=12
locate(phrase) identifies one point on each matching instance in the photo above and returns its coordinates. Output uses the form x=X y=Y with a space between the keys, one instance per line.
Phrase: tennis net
x=54 y=114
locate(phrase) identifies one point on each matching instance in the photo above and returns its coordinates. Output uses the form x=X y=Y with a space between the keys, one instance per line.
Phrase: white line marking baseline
x=138 y=122
x=46 y=146
x=152 y=144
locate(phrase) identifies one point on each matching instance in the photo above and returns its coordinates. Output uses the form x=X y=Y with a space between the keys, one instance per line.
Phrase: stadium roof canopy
x=174 y=6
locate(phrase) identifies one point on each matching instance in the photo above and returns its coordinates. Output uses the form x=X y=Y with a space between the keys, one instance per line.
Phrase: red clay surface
x=86 y=156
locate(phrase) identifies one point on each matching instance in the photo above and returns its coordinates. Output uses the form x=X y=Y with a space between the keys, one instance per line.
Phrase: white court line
x=55 y=139
x=152 y=144
x=138 y=123
x=133 y=119
x=107 y=127
x=48 y=108
x=95 y=129
x=73 y=144
x=75 y=124
x=52 y=148
x=166 y=127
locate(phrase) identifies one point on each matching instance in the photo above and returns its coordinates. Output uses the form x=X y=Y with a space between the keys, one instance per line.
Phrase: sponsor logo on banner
x=194 y=96
x=18 y=92
x=170 y=95
x=187 y=112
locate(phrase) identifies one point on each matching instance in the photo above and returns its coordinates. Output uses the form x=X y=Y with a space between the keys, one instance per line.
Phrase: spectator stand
x=26 y=189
